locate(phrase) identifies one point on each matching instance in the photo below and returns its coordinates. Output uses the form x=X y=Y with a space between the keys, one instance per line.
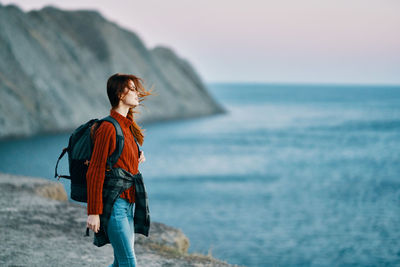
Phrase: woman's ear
x=120 y=97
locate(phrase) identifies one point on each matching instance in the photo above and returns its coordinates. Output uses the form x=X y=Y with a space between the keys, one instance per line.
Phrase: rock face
x=54 y=65
x=39 y=227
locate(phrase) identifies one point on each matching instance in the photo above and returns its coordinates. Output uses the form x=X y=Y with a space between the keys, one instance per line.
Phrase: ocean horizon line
x=329 y=84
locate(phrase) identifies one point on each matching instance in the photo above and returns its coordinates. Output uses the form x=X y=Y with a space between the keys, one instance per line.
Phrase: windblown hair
x=115 y=90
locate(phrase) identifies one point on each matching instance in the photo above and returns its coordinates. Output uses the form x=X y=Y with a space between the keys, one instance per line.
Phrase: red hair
x=116 y=85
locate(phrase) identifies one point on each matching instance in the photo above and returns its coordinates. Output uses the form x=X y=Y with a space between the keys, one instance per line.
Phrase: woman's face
x=130 y=96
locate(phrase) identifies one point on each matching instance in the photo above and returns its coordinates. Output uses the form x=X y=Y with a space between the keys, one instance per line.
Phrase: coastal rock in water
x=54 y=65
x=40 y=228
x=165 y=235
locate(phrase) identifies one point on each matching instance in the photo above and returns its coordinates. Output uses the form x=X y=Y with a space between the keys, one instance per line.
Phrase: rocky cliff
x=54 y=65
x=39 y=227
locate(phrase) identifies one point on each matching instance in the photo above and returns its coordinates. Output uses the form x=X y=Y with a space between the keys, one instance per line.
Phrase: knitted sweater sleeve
x=104 y=145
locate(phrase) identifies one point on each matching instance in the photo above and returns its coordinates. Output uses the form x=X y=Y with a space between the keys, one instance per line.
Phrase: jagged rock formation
x=54 y=65
x=39 y=227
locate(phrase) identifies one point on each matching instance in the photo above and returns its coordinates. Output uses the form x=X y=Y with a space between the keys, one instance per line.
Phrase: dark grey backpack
x=80 y=149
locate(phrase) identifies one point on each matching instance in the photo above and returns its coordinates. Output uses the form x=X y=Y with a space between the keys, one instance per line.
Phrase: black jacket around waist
x=117 y=180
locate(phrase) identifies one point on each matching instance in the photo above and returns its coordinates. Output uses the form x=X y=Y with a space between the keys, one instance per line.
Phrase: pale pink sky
x=336 y=41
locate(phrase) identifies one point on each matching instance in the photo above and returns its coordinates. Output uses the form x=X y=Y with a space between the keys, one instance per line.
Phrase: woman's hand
x=93 y=222
x=142 y=157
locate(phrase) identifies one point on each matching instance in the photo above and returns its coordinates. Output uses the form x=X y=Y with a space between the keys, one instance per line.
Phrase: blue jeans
x=121 y=233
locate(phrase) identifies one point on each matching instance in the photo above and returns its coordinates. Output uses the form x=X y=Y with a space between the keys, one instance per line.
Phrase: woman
x=125 y=93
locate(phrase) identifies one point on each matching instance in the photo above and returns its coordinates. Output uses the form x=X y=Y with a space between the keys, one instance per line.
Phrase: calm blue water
x=292 y=175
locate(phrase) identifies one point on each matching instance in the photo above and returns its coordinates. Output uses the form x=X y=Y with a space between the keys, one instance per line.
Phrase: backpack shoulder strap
x=139 y=151
x=119 y=142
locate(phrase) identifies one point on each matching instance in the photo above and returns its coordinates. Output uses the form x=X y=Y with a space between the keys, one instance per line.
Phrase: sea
x=289 y=175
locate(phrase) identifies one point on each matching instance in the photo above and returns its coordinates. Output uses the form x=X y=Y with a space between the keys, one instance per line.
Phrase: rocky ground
x=40 y=227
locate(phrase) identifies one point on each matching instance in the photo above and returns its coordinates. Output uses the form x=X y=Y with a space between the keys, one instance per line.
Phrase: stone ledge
x=41 y=228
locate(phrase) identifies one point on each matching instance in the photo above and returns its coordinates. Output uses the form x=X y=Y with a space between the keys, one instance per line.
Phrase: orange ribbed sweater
x=104 y=146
